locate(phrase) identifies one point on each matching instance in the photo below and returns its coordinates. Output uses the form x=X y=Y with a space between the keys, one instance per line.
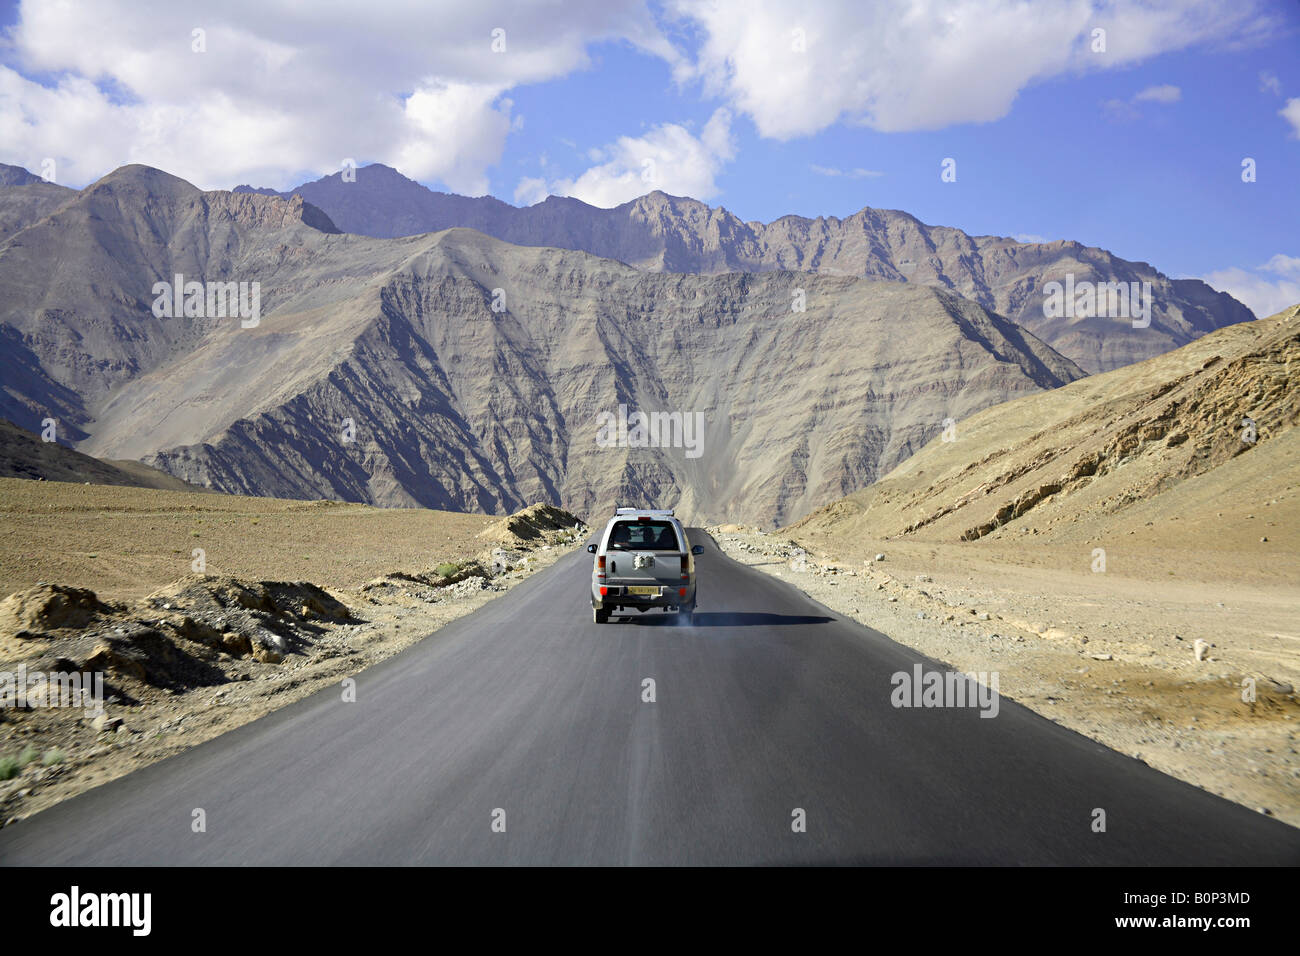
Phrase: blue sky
x=1150 y=180
x=765 y=107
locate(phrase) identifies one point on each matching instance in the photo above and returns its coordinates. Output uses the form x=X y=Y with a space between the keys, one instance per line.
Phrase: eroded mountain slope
x=453 y=370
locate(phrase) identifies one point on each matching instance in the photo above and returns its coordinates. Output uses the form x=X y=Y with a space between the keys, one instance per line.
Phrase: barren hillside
x=456 y=371
x=1189 y=436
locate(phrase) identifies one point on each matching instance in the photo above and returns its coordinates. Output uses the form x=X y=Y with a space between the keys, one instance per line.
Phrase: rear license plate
x=649 y=592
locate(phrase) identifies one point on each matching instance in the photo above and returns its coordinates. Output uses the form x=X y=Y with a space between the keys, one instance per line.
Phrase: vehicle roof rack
x=666 y=512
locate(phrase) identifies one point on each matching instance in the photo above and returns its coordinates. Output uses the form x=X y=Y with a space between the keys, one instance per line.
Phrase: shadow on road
x=726 y=619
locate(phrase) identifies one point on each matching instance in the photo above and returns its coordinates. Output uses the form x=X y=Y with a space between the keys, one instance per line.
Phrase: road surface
x=769 y=712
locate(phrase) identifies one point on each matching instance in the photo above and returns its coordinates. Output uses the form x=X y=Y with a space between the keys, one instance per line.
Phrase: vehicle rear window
x=643 y=536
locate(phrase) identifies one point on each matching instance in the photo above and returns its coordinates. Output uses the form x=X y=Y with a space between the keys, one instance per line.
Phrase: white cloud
x=1285 y=265
x=1266 y=289
x=1269 y=83
x=1165 y=93
x=1029 y=237
x=668 y=158
x=454 y=133
x=848 y=173
x=284 y=88
x=901 y=65
x=1120 y=111
x=531 y=190
x=1125 y=111
x=1291 y=113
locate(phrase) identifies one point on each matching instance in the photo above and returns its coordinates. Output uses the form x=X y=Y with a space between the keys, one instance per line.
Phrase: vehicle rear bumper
x=617 y=595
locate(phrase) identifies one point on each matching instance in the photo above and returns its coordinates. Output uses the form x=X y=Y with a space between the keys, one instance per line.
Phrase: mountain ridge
x=659 y=232
x=25 y=455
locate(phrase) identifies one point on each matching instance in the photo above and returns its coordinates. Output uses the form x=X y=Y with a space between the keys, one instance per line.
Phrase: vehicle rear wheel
x=599 y=617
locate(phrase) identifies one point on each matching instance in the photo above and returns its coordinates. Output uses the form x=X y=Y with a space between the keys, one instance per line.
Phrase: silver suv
x=644 y=560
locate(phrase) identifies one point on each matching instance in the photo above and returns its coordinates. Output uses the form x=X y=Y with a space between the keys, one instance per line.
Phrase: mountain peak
x=657 y=198
x=382 y=169
x=137 y=176
x=248 y=206
x=17 y=176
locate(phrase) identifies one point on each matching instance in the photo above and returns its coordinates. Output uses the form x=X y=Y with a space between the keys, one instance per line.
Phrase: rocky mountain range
x=21 y=207
x=455 y=370
x=662 y=233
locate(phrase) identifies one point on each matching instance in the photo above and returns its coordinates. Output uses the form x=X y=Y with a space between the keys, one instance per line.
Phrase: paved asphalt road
x=768 y=703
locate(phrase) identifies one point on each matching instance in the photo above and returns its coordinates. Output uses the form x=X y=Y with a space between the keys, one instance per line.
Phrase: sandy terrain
x=180 y=668
x=124 y=543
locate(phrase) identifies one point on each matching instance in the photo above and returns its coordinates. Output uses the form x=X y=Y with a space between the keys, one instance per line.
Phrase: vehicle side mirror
x=697 y=549
x=591 y=549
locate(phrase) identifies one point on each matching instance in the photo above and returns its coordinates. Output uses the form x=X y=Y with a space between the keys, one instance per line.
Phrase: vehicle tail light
x=686 y=568
x=603 y=590
x=600 y=563
x=681 y=592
